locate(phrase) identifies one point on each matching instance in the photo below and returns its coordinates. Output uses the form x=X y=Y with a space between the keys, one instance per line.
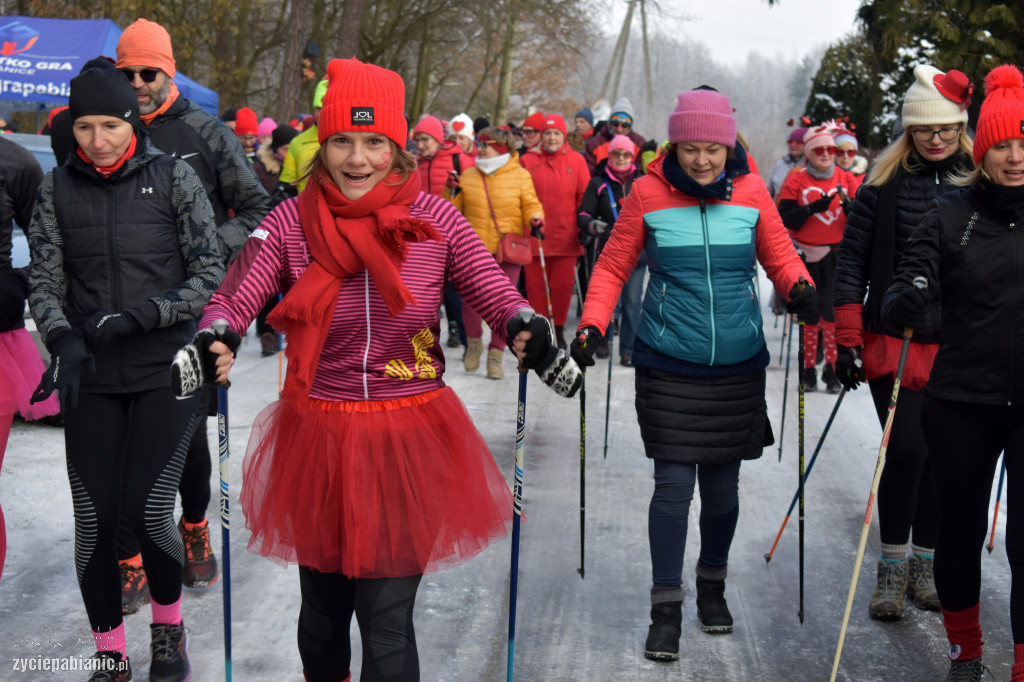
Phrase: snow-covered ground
x=567 y=628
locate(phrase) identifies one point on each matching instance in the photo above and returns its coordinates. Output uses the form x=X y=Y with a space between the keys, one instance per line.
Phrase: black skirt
x=702 y=420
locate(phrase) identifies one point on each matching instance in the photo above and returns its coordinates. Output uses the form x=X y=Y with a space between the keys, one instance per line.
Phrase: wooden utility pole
x=505 y=77
x=618 y=56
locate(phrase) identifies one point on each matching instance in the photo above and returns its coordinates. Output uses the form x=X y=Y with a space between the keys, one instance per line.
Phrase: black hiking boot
x=170 y=653
x=809 y=379
x=711 y=607
x=832 y=384
x=663 y=635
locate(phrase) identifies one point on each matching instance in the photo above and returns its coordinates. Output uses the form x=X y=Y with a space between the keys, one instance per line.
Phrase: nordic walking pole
x=280 y=355
x=807 y=474
x=608 y=394
x=583 y=469
x=782 y=342
x=785 y=385
x=544 y=273
x=517 y=512
x=920 y=283
x=801 y=326
x=219 y=328
x=995 y=515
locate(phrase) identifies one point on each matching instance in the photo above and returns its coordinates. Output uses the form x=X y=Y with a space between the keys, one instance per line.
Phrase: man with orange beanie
x=181 y=128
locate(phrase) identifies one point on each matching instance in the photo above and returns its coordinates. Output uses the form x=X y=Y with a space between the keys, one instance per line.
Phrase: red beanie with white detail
x=1002 y=112
x=363 y=98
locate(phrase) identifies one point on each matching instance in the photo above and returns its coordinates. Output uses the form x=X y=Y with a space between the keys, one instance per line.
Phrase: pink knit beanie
x=818 y=136
x=621 y=142
x=702 y=115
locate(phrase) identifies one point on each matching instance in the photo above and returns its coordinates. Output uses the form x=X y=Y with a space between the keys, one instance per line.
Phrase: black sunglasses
x=147 y=75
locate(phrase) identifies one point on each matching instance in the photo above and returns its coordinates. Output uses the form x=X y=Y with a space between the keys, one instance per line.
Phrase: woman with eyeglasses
x=497 y=198
x=812 y=204
x=968 y=248
x=907 y=178
x=847 y=157
x=619 y=123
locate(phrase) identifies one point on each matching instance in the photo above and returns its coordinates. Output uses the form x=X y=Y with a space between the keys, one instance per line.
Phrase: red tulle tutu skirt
x=21 y=368
x=372 y=489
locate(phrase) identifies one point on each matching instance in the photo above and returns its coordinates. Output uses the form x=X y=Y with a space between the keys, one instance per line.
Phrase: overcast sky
x=732 y=28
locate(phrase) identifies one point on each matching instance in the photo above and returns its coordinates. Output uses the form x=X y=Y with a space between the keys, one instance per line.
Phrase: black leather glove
x=850 y=367
x=910 y=308
x=584 y=345
x=68 y=359
x=820 y=205
x=539 y=350
x=803 y=302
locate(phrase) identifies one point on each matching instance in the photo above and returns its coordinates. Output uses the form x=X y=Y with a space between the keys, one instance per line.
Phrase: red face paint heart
x=457 y=126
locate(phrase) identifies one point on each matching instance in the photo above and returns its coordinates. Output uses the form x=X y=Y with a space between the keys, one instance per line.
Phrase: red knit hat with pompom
x=1002 y=112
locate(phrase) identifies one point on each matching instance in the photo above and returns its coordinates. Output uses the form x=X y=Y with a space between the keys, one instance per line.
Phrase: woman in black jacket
x=598 y=212
x=906 y=179
x=124 y=256
x=970 y=250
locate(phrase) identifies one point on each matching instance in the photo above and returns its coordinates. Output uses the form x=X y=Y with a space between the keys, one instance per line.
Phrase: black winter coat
x=915 y=194
x=976 y=253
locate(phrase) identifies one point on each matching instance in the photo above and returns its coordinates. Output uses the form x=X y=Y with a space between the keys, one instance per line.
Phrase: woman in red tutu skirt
x=368 y=472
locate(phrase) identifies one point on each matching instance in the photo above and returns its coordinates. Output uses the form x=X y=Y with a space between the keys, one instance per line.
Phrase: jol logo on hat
x=362 y=116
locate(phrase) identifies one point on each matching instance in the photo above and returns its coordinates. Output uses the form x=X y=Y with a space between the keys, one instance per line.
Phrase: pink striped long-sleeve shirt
x=369 y=355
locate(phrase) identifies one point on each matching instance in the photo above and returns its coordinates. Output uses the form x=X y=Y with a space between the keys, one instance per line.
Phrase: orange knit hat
x=363 y=98
x=1002 y=112
x=146 y=43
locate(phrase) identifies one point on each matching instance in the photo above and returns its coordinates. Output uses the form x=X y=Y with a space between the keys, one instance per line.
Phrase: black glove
x=102 y=328
x=850 y=367
x=584 y=345
x=820 y=205
x=68 y=359
x=802 y=302
x=195 y=364
x=539 y=350
x=910 y=308
x=537 y=225
x=597 y=227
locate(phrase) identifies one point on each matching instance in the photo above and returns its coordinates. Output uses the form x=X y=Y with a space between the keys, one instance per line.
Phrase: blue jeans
x=670 y=508
x=630 y=305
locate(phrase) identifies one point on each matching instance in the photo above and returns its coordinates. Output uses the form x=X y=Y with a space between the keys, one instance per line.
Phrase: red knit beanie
x=553 y=121
x=430 y=125
x=534 y=120
x=245 y=122
x=363 y=98
x=1002 y=112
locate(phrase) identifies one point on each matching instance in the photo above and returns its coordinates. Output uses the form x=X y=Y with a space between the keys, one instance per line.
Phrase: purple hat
x=702 y=115
x=797 y=135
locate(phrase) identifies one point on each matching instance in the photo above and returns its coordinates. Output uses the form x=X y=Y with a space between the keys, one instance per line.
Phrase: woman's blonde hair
x=898 y=154
x=401 y=160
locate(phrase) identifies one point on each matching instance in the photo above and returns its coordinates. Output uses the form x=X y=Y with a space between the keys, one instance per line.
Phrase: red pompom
x=1005 y=76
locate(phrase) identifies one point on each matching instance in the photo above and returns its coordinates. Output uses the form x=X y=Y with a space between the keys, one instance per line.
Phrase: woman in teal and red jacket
x=703 y=220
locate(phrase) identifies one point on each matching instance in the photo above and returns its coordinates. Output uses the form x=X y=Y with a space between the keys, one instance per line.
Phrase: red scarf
x=345 y=237
x=105 y=171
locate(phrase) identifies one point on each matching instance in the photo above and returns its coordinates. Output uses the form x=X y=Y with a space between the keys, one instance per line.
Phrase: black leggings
x=906 y=493
x=195 y=476
x=124 y=457
x=965 y=441
x=383 y=608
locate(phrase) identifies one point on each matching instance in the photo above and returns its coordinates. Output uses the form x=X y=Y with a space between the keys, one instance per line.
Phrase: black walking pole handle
x=921 y=284
x=526 y=314
x=220 y=328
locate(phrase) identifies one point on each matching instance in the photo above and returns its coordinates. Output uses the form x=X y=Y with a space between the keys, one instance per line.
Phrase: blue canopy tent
x=39 y=57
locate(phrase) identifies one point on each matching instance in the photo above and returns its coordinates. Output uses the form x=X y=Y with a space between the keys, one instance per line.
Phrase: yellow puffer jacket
x=512 y=195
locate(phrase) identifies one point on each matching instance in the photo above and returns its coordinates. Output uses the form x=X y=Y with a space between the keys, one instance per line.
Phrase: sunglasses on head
x=822 y=151
x=846 y=152
x=147 y=75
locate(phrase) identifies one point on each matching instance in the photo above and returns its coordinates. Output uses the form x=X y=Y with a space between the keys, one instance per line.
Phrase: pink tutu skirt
x=372 y=489
x=21 y=368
